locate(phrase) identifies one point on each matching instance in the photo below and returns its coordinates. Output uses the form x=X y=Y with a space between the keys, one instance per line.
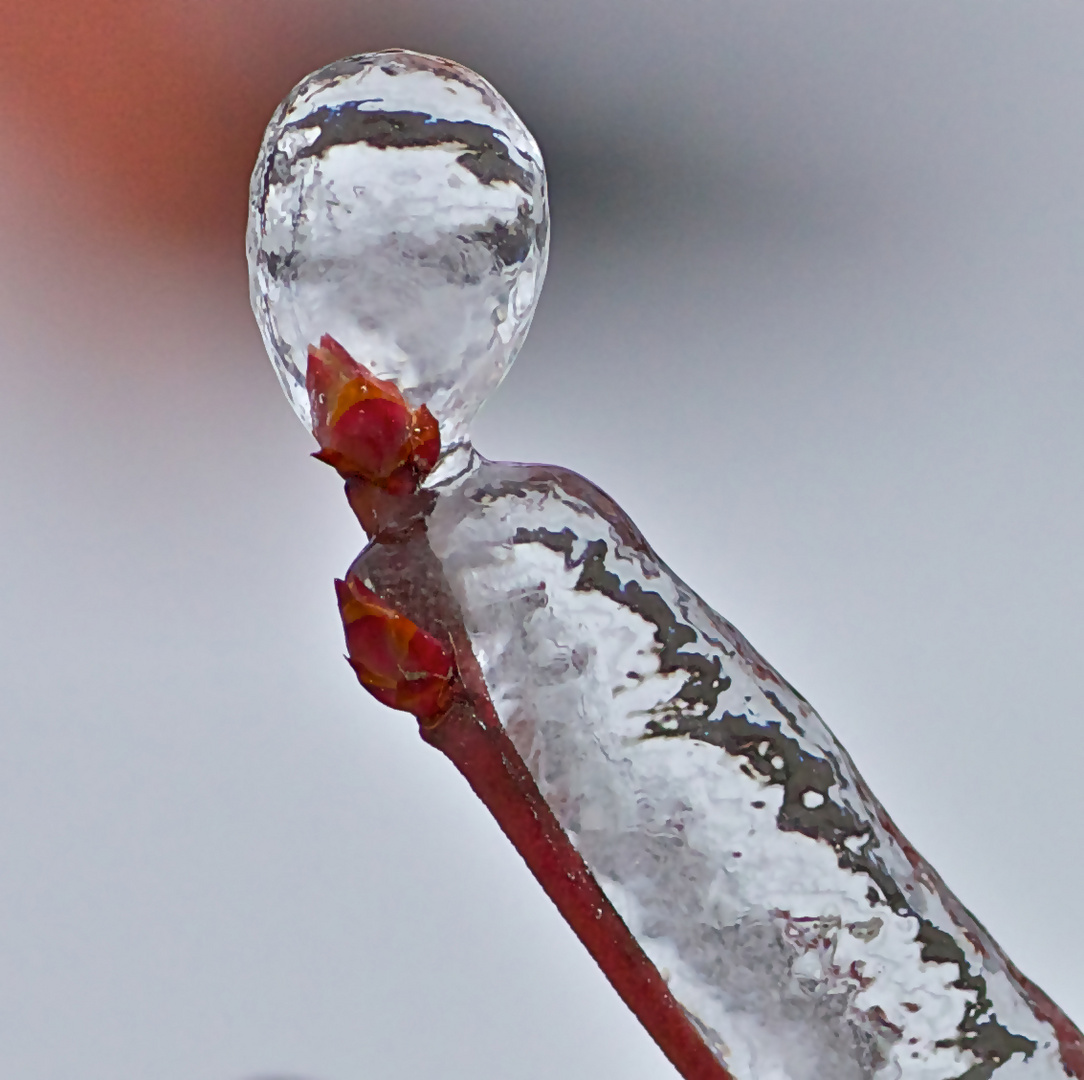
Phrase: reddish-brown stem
x=472 y=737
x=416 y=604
x=410 y=581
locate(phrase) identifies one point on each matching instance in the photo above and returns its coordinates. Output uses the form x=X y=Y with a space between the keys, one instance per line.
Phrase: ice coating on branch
x=723 y=819
x=399 y=205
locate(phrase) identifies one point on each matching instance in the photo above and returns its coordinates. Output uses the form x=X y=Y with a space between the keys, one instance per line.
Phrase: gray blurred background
x=813 y=317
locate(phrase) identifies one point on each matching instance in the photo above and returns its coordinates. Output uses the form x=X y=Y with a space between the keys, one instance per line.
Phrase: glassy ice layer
x=400 y=206
x=725 y=822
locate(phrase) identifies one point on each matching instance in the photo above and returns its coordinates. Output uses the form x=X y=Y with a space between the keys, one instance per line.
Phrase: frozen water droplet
x=399 y=204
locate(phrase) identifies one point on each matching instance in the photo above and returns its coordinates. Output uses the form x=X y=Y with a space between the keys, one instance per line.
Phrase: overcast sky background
x=813 y=317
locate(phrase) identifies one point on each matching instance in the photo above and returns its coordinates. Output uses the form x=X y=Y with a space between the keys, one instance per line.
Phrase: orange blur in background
x=150 y=114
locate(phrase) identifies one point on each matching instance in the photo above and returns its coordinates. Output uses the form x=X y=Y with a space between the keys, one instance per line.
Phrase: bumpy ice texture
x=725 y=822
x=399 y=205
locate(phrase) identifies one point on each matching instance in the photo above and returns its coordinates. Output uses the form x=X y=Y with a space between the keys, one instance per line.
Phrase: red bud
x=364 y=425
x=397 y=661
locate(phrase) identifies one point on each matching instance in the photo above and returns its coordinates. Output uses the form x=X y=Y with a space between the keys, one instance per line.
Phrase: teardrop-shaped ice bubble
x=399 y=204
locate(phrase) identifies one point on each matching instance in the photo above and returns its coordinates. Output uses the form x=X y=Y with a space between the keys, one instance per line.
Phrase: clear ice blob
x=399 y=205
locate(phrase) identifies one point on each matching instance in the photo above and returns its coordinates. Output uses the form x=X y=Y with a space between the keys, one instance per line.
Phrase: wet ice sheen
x=400 y=205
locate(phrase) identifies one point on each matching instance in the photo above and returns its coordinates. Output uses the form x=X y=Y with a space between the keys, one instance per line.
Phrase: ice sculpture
x=691 y=815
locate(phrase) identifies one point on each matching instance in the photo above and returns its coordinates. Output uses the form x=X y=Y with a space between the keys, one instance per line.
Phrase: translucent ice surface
x=399 y=205
x=723 y=819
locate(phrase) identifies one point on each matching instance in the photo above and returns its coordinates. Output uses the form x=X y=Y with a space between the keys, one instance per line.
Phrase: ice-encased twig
x=408 y=645
x=401 y=566
x=723 y=819
x=400 y=205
